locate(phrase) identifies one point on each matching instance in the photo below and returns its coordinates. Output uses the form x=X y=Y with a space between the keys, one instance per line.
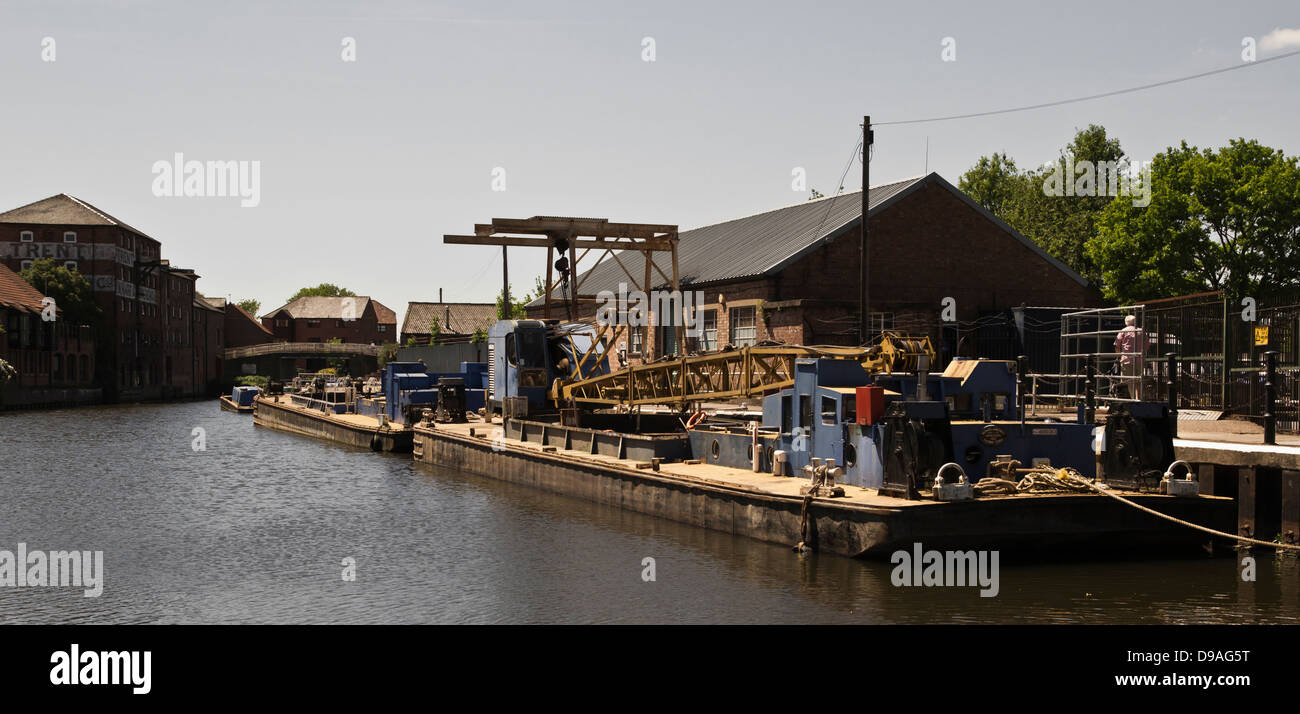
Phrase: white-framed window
x=744 y=325
x=25 y=265
x=69 y=236
x=881 y=321
x=70 y=264
x=708 y=330
x=383 y=328
x=26 y=236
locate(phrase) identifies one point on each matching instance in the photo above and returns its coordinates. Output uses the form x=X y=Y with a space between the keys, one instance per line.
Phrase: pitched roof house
x=357 y=319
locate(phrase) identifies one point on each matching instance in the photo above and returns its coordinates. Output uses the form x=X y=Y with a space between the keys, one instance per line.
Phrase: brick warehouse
x=791 y=274
x=154 y=338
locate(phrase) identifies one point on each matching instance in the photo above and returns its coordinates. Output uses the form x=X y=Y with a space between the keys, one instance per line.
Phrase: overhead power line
x=1090 y=97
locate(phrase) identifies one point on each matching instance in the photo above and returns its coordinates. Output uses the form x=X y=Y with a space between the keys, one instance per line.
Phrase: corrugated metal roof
x=767 y=242
x=745 y=247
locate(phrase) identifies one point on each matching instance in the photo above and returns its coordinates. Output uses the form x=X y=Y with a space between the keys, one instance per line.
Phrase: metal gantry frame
x=1090 y=335
x=570 y=235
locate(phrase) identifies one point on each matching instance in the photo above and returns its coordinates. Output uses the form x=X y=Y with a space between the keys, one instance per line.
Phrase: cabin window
x=532 y=348
x=829 y=410
x=787 y=415
x=744 y=327
x=806 y=411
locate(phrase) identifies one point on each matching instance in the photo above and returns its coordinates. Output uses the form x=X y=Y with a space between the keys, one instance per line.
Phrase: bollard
x=1171 y=384
x=1270 y=397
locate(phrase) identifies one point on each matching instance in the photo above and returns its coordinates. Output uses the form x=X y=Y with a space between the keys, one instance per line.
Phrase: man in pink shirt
x=1131 y=344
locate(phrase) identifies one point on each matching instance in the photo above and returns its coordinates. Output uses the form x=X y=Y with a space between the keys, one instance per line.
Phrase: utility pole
x=864 y=297
x=505 y=287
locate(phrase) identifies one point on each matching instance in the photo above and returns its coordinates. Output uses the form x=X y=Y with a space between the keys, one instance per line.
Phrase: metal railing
x=353 y=349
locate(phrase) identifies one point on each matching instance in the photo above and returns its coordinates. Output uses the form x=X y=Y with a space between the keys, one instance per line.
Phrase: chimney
x=439 y=294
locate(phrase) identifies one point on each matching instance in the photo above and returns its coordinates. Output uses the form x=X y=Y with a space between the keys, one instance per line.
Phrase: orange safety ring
x=695 y=420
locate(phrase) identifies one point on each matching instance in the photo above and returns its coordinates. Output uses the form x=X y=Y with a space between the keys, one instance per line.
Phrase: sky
x=378 y=127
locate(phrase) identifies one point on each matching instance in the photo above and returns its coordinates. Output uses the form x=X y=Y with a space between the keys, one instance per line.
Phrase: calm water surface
x=253 y=529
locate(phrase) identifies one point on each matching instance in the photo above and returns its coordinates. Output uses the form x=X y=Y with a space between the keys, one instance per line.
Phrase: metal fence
x=1219 y=356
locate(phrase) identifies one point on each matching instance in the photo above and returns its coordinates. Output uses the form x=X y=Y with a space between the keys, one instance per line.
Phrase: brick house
x=145 y=336
x=456 y=320
x=792 y=274
x=358 y=320
x=242 y=329
x=55 y=360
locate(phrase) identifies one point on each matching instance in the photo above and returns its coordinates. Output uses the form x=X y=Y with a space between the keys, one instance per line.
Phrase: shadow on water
x=256 y=527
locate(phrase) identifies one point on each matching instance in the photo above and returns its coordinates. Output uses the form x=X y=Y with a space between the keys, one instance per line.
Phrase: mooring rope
x=1045 y=479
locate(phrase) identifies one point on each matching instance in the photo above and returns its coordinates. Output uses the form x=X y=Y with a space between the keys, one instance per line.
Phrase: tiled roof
x=315 y=307
x=63 y=210
x=18 y=294
x=458 y=318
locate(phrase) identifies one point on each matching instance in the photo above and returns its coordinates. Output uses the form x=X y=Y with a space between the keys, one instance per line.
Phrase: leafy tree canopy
x=70 y=289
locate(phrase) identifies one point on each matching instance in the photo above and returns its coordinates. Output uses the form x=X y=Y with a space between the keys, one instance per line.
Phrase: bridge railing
x=323 y=349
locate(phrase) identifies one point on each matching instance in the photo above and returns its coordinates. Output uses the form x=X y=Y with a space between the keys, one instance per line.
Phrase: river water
x=255 y=528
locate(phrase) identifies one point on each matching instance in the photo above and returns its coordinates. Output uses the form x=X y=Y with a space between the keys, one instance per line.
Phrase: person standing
x=1131 y=344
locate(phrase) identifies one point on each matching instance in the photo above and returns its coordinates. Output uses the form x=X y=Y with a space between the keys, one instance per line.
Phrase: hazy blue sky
x=365 y=164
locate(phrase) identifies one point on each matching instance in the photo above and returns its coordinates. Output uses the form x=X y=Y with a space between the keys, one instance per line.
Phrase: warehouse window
x=25 y=265
x=69 y=237
x=744 y=326
x=708 y=330
x=70 y=264
x=26 y=236
x=881 y=321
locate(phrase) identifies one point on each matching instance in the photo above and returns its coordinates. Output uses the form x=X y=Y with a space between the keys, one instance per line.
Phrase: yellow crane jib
x=738 y=373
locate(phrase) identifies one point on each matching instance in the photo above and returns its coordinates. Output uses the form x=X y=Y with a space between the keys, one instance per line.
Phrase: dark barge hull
x=338 y=428
x=1053 y=524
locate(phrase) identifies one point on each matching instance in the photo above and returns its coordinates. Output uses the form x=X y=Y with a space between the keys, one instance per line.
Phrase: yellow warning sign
x=1261 y=336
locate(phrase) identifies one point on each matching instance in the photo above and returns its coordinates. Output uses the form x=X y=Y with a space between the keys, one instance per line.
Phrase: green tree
x=69 y=288
x=435 y=330
x=480 y=335
x=322 y=290
x=1226 y=219
x=1061 y=225
x=518 y=303
x=993 y=182
x=250 y=306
